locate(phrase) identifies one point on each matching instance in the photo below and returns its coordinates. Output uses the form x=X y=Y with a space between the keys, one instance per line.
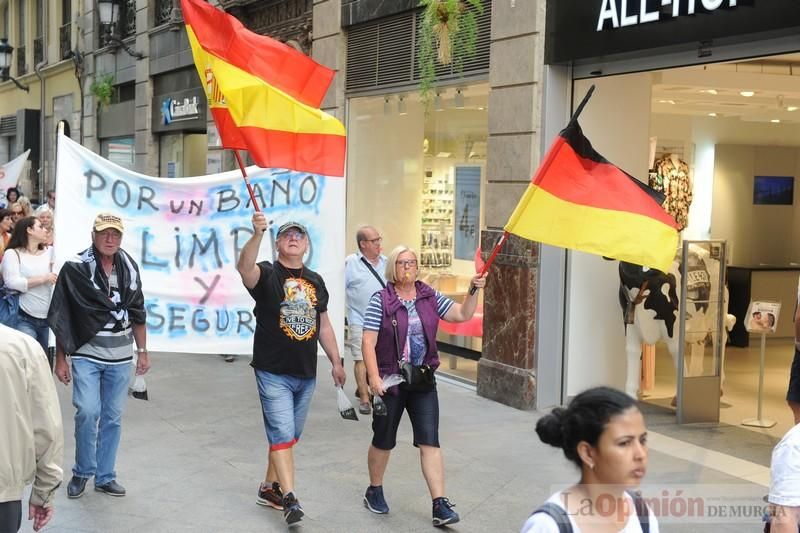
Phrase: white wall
x=765 y=234
x=617 y=122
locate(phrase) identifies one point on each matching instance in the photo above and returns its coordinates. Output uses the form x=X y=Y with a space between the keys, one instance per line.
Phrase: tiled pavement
x=192 y=456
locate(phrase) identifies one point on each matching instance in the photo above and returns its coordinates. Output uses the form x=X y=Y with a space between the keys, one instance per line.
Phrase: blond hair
x=391 y=262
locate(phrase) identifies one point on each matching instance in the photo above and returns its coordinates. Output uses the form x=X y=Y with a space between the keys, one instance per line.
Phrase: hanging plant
x=448 y=33
x=103 y=88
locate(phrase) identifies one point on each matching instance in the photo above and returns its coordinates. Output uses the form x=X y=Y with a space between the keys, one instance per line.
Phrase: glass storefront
x=419 y=177
x=182 y=154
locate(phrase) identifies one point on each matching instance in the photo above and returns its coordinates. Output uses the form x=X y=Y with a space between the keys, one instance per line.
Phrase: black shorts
x=423 y=410
x=793 y=394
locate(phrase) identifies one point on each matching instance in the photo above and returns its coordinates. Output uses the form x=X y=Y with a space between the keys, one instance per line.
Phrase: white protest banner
x=186 y=235
x=10 y=173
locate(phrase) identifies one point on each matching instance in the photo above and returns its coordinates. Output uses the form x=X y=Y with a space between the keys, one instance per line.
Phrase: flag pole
x=583 y=103
x=247 y=181
x=489 y=262
x=546 y=164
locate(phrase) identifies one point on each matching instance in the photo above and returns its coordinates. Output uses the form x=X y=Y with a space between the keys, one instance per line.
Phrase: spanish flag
x=579 y=200
x=264 y=95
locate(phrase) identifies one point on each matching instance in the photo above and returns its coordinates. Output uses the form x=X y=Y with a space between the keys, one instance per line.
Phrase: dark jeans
x=35 y=327
x=423 y=410
x=10 y=516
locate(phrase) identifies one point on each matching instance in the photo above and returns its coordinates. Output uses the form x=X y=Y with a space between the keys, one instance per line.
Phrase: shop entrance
x=722 y=140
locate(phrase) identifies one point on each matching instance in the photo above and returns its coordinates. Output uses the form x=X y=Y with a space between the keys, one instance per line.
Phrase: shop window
x=418 y=178
x=119 y=150
x=182 y=154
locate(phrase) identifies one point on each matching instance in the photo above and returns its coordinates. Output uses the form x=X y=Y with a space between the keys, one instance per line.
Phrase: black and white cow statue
x=651 y=309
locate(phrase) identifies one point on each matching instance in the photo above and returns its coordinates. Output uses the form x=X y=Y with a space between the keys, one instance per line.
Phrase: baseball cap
x=107 y=220
x=290 y=225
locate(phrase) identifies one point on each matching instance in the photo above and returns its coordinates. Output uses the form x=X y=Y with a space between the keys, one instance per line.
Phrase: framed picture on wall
x=773 y=190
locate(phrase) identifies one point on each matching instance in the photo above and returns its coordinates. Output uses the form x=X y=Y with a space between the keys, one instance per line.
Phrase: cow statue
x=651 y=311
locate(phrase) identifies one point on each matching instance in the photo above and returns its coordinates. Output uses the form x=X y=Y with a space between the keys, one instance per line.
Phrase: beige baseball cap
x=108 y=220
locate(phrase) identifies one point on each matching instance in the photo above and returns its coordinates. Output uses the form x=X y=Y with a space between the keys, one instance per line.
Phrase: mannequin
x=671 y=177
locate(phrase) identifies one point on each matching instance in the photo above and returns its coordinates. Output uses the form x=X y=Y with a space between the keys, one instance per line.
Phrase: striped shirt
x=113 y=344
x=374 y=312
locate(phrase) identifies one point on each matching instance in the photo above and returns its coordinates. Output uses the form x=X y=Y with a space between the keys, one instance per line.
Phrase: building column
x=506 y=370
x=329 y=47
x=145 y=145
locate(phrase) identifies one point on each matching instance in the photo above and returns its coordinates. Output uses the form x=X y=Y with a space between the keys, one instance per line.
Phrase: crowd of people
x=94 y=307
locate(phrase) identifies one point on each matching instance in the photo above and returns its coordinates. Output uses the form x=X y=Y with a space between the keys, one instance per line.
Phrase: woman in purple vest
x=417 y=309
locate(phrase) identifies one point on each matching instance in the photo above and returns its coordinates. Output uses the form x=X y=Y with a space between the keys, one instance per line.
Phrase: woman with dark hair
x=12 y=195
x=27 y=265
x=603 y=433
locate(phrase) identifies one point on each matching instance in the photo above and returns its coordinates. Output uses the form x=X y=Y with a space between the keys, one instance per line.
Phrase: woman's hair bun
x=550 y=428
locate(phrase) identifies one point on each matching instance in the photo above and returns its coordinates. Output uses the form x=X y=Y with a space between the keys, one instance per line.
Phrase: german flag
x=264 y=95
x=579 y=200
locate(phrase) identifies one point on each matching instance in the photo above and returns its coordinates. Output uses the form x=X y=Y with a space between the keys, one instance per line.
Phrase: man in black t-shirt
x=291 y=316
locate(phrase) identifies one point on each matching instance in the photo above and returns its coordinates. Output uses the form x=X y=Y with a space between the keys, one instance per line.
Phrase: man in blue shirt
x=361 y=273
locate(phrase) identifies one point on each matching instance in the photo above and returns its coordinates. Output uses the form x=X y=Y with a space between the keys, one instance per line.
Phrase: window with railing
x=65 y=30
x=65 y=40
x=22 y=65
x=21 y=60
x=38 y=51
x=163 y=11
x=127 y=19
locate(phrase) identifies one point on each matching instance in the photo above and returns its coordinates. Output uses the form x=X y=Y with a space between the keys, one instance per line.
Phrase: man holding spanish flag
x=265 y=97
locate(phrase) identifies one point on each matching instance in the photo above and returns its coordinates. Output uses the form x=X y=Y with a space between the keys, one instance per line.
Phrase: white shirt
x=542 y=523
x=35 y=301
x=784 y=488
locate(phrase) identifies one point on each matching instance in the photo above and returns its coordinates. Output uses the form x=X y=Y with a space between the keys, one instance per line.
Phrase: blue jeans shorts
x=284 y=404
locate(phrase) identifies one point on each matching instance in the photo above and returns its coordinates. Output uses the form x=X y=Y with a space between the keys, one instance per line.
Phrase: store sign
x=180 y=110
x=177 y=110
x=592 y=29
x=626 y=15
x=187 y=235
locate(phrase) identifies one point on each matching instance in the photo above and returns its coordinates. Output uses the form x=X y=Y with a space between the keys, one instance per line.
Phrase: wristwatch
x=141 y=350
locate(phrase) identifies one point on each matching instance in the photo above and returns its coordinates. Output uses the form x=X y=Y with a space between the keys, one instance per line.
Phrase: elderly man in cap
x=96 y=313
x=291 y=316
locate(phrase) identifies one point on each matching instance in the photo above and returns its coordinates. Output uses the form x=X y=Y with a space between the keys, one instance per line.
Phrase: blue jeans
x=35 y=327
x=284 y=404
x=99 y=392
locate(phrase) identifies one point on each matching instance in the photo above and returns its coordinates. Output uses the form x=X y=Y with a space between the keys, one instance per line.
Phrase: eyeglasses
x=406 y=263
x=16 y=213
x=375 y=241
x=293 y=235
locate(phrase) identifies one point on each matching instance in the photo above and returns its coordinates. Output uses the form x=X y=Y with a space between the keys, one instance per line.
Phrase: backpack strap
x=642 y=513
x=558 y=514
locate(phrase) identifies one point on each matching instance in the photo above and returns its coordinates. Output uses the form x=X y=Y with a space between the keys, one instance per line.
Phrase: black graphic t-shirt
x=288 y=305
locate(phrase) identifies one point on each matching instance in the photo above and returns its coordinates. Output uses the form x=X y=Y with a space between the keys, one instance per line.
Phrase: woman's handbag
x=417 y=378
x=9 y=304
x=9 y=307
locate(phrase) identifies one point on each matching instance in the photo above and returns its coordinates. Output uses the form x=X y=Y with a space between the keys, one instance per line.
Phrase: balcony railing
x=38 y=51
x=127 y=25
x=22 y=66
x=65 y=40
x=163 y=11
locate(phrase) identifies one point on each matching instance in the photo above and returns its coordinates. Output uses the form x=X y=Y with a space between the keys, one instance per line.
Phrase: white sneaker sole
x=368 y=506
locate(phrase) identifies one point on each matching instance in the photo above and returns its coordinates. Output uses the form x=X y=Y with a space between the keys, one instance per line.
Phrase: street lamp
x=108 y=10
x=5 y=64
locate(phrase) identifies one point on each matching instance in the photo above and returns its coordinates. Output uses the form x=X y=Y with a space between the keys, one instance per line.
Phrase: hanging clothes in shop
x=671 y=177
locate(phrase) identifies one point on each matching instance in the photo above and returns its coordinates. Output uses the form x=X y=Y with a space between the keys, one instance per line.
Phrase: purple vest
x=385 y=348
